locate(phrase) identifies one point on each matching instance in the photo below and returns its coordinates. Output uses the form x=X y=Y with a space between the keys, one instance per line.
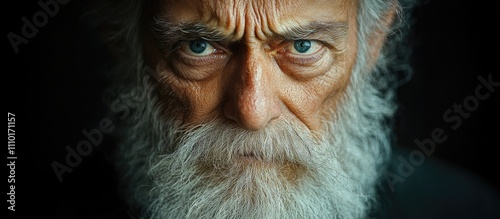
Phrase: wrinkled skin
x=255 y=76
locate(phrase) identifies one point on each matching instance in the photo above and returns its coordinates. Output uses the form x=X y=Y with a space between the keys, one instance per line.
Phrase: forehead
x=239 y=16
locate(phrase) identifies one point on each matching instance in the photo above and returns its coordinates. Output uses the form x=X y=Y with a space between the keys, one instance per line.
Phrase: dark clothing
x=434 y=189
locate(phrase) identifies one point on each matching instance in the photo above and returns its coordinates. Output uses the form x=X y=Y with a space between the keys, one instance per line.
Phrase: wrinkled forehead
x=240 y=17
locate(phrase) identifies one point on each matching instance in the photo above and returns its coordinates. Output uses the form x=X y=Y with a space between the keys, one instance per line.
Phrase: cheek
x=340 y=76
x=194 y=100
x=308 y=100
x=314 y=100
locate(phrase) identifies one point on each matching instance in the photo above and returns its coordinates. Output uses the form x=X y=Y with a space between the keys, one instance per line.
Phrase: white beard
x=170 y=172
x=203 y=172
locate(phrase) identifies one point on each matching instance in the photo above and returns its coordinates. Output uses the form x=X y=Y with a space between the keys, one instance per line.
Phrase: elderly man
x=253 y=109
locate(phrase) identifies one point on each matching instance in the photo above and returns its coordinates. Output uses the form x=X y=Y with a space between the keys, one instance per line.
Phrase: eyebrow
x=333 y=30
x=169 y=33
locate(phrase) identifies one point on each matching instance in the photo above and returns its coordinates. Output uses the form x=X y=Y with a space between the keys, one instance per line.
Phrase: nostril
x=228 y=110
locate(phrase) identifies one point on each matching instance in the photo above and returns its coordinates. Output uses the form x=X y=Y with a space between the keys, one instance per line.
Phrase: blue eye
x=302 y=46
x=198 y=46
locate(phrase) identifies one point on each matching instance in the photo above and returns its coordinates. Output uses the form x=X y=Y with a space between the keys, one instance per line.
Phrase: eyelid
x=286 y=56
x=305 y=66
x=200 y=60
x=210 y=49
x=218 y=46
x=218 y=54
x=315 y=46
x=281 y=46
x=305 y=59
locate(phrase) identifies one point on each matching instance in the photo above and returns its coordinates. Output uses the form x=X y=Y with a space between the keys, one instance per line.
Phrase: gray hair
x=123 y=21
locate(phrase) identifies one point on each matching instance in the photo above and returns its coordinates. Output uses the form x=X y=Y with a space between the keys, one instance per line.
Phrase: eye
x=304 y=58
x=302 y=52
x=197 y=48
x=198 y=59
x=304 y=47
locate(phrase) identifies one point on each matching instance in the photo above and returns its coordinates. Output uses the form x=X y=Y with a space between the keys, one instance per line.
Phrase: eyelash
x=302 y=59
x=222 y=54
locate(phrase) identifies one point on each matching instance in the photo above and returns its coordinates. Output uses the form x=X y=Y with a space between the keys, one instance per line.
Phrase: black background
x=54 y=87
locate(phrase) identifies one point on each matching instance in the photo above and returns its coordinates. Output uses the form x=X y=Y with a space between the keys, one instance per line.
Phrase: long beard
x=220 y=171
x=217 y=170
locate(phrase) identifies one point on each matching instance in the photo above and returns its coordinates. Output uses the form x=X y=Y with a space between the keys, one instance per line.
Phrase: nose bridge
x=253 y=102
x=252 y=74
x=253 y=95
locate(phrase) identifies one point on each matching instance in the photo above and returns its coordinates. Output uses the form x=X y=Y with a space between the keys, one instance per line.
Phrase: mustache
x=219 y=142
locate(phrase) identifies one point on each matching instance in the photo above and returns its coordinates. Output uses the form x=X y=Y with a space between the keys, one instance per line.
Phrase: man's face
x=255 y=62
x=263 y=109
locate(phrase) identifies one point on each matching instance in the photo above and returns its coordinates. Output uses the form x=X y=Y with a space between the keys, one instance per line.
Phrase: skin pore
x=240 y=60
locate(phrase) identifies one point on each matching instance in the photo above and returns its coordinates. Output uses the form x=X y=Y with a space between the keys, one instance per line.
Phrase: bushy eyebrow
x=333 y=30
x=168 y=33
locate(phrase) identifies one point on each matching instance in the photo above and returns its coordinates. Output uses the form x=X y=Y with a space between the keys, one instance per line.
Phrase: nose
x=253 y=99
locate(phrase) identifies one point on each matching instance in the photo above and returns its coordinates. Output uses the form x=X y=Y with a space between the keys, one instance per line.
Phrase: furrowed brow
x=336 y=31
x=168 y=33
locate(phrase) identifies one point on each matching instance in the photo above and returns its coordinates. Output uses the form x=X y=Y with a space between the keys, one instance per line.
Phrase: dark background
x=54 y=87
